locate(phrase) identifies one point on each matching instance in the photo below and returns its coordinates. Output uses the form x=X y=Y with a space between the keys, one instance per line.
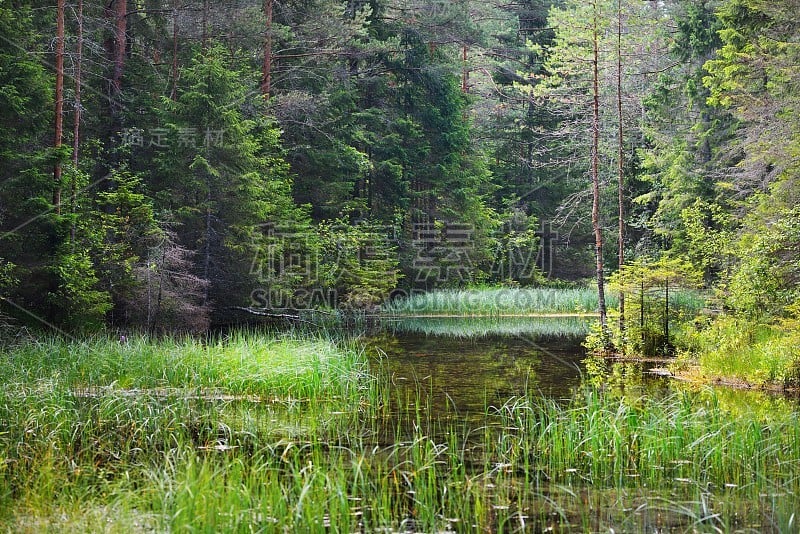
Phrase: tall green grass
x=499 y=301
x=679 y=461
x=237 y=364
x=175 y=450
x=469 y=327
x=735 y=348
x=610 y=441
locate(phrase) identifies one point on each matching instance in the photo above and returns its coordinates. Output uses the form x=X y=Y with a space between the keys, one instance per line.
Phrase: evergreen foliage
x=331 y=152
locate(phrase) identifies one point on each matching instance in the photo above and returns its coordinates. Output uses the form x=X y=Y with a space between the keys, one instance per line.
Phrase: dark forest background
x=165 y=162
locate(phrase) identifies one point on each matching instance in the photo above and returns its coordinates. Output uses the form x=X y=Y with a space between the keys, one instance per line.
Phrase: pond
x=470 y=374
x=462 y=369
x=423 y=425
x=469 y=364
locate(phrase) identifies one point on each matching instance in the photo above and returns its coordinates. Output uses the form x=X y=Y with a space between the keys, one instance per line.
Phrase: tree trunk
x=641 y=312
x=59 y=111
x=120 y=44
x=620 y=177
x=115 y=14
x=204 y=38
x=465 y=73
x=76 y=127
x=207 y=245
x=595 y=156
x=174 y=93
x=266 y=77
x=667 y=348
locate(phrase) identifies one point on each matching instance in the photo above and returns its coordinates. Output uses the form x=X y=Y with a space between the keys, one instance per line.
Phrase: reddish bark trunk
x=76 y=128
x=598 y=231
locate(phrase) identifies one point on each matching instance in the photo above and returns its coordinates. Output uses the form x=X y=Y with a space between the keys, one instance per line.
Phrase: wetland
x=398 y=429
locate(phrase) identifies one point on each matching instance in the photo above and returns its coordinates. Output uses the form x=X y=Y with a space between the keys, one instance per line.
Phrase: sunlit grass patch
x=496 y=301
x=85 y=425
x=244 y=364
x=737 y=349
x=467 y=327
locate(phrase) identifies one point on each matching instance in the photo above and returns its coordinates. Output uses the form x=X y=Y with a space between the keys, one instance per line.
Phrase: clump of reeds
x=198 y=447
x=459 y=327
x=237 y=363
x=496 y=301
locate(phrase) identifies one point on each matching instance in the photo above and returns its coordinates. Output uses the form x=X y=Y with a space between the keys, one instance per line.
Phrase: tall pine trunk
x=59 y=111
x=120 y=44
x=204 y=38
x=76 y=127
x=595 y=156
x=620 y=177
x=116 y=45
x=465 y=72
x=174 y=93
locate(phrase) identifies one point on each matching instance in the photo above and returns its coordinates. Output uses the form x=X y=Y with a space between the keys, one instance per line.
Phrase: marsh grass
x=468 y=327
x=237 y=363
x=737 y=349
x=342 y=453
x=493 y=302
x=497 y=301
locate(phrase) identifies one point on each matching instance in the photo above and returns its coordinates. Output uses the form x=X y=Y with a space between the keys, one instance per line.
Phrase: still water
x=465 y=365
x=469 y=374
x=459 y=368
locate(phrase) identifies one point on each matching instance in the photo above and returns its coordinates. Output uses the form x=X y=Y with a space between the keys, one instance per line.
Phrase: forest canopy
x=164 y=164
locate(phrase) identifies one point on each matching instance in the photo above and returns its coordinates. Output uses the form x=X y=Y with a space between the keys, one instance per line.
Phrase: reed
x=236 y=364
x=356 y=457
x=497 y=301
x=522 y=301
x=616 y=442
x=469 y=327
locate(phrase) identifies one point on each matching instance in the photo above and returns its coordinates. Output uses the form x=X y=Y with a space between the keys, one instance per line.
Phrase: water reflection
x=465 y=365
x=455 y=368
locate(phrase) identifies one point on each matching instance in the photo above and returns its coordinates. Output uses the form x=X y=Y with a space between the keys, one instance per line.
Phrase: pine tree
x=220 y=175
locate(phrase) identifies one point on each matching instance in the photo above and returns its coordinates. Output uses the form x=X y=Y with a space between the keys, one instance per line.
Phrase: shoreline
x=693 y=375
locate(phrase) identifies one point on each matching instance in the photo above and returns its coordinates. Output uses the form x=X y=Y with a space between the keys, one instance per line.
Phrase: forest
x=399 y=265
x=171 y=166
x=174 y=166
